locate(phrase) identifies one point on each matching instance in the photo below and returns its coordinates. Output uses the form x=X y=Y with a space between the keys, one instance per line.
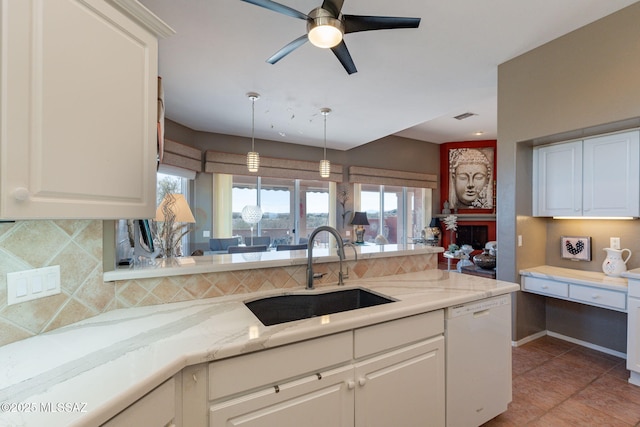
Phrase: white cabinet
x=596 y=177
x=633 y=331
x=155 y=409
x=315 y=400
x=403 y=387
x=391 y=373
x=79 y=109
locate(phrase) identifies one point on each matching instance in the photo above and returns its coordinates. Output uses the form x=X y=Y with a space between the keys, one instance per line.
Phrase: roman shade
x=182 y=156
x=272 y=167
x=363 y=175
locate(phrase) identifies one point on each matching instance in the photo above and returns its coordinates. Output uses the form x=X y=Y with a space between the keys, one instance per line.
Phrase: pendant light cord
x=253 y=122
x=325 y=136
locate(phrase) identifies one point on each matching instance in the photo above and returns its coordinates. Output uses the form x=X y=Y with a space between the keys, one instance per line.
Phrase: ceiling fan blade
x=288 y=49
x=277 y=7
x=333 y=6
x=355 y=23
x=343 y=55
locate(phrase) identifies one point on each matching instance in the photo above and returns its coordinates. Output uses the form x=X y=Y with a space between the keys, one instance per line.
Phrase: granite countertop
x=104 y=363
x=245 y=261
x=589 y=278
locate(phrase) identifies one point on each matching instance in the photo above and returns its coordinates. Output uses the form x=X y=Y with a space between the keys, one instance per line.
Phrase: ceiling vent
x=464 y=116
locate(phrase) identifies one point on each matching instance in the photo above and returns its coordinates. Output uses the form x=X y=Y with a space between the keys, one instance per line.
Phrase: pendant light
x=253 y=158
x=325 y=165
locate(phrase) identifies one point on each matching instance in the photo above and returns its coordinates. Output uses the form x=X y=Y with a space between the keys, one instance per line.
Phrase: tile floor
x=558 y=384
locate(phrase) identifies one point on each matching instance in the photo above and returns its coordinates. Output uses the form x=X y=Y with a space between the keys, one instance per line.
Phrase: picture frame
x=575 y=248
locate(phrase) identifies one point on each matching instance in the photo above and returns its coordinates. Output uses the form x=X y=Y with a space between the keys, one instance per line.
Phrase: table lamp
x=360 y=220
x=175 y=213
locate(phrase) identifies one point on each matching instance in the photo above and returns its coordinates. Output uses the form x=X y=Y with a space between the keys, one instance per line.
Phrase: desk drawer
x=545 y=286
x=598 y=296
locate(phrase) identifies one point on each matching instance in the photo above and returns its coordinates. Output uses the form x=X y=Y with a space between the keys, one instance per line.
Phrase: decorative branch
x=343 y=198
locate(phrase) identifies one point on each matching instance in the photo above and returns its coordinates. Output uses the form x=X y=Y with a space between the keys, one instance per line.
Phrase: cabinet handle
x=351 y=384
x=362 y=381
x=545 y=287
x=595 y=296
x=21 y=194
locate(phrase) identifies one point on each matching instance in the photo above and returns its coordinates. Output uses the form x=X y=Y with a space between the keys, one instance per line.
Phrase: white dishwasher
x=478 y=360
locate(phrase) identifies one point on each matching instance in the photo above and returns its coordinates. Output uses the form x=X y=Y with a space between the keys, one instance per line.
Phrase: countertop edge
x=225 y=262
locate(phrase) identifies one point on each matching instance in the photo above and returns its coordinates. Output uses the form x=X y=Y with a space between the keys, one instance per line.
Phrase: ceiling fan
x=326 y=25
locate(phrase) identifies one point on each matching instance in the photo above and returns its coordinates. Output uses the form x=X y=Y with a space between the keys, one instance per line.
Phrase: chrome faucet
x=310 y=253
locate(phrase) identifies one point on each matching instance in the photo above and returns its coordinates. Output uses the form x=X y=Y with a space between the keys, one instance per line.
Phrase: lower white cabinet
x=394 y=375
x=402 y=388
x=155 y=409
x=319 y=400
x=633 y=330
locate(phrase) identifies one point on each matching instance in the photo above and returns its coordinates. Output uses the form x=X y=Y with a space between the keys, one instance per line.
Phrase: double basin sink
x=290 y=307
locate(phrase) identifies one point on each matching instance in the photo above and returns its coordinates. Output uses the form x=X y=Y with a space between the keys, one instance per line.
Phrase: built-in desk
x=585 y=287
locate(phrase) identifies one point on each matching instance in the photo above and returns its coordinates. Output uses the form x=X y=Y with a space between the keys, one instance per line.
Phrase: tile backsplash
x=76 y=245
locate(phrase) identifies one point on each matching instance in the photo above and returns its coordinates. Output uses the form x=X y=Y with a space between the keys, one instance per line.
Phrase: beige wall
x=583 y=83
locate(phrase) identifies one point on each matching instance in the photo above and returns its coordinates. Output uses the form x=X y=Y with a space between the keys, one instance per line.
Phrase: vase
x=485 y=260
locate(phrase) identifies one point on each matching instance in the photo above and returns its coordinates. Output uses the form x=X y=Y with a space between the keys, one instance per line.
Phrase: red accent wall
x=444 y=190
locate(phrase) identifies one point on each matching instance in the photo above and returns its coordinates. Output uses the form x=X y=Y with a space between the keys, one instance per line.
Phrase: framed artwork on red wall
x=468 y=176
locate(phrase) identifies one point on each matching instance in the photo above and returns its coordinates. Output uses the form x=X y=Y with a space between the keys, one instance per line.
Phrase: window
x=291 y=209
x=397 y=213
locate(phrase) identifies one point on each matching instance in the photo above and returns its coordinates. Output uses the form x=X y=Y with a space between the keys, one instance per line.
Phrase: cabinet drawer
x=230 y=376
x=384 y=336
x=546 y=287
x=598 y=296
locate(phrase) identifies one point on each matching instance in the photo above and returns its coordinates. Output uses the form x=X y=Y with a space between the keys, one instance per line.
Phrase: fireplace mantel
x=470 y=216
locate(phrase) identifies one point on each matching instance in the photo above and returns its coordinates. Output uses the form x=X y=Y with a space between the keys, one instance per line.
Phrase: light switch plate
x=28 y=285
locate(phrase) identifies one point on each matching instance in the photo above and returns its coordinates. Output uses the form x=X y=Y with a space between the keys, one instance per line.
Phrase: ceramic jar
x=485 y=260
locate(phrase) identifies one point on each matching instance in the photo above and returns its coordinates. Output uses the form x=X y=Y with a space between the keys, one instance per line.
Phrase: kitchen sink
x=290 y=307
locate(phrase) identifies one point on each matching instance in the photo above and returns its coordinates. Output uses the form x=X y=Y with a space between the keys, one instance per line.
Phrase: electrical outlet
x=614 y=242
x=206 y=233
x=28 y=285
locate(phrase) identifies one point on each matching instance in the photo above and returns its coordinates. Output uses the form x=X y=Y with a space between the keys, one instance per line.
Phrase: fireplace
x=475 y=235
x=474 y=230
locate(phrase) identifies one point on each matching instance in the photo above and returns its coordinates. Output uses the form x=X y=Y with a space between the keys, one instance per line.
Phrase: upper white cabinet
x=596 y=177
x=78 y=109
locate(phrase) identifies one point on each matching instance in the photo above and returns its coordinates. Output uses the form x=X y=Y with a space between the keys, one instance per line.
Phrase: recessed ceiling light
x=478 y=133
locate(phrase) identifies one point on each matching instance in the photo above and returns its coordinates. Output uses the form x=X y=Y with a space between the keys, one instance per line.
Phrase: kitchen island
x=94 y=369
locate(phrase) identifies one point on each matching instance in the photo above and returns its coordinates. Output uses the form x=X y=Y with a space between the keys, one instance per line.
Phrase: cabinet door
x=313 y=401
x=155 y=409
x=79 y=111
x=633 y=340
x=611 y=167
x=557 y=180
x=404 y=387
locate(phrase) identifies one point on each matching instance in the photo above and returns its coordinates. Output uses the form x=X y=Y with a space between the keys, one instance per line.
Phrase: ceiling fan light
x=325 y=36
x=325 y=168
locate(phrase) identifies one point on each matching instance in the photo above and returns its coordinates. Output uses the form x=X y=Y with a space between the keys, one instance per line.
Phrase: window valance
x=363 y=175
x=272 y=167
x=182 y=156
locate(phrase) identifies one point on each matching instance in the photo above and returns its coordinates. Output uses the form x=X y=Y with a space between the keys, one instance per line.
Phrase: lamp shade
x=175 y=204
x=360 y=218
x=435 y=222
